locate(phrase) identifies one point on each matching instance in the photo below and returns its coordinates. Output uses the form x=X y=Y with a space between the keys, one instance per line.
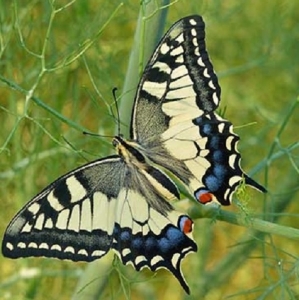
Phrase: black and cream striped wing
x=73 y=218
x=217 y=162
x=174 y=120
x=101 y=206
x=178 y=83
x=152 y=238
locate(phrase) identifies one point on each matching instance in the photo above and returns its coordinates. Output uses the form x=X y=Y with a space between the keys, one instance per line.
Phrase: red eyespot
x=188 y=226
x=205 y=198
x=185 y=224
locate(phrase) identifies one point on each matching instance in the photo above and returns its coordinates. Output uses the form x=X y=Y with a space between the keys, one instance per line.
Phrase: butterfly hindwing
x=220 y=159
x=151 y=238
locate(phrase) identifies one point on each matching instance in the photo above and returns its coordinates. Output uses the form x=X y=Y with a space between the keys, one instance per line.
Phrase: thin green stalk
x=42 y=104
x=248 y=221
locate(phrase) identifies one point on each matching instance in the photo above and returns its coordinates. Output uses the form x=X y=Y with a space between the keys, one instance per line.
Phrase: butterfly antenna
x=117 y=110
x=96 y=134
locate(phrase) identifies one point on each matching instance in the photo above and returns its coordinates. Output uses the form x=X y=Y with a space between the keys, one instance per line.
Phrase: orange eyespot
x=188 y=225
x=205 y=198
x=185 y=224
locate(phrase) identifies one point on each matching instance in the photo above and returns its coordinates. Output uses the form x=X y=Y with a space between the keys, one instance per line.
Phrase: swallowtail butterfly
x=122 y=202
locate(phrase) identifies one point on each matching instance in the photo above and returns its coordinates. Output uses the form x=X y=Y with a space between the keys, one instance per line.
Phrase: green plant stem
x=247 y=221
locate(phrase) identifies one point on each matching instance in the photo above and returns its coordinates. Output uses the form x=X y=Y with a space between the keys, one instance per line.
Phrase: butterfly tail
x=254 y=184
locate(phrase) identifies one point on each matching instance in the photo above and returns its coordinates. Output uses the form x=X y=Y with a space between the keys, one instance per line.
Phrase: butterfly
x=123 y=202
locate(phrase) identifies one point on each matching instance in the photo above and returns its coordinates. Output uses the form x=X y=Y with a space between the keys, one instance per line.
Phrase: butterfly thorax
x=127 y=150
x=131 y=153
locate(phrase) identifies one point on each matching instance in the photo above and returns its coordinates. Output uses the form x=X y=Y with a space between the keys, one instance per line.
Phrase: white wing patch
x=77 y=190
x=49 y=224
x=54 y=202
x=174 y=109
x=86 y=215
x=74 y=220
x=62 y=220
x=180 y=72
x=34 y=208
x=162 y=67
x=185 y=92
x=181 y=82
x=39 y=223
x=131 y=209
x=155 y=89
x=27 y=228
x=103 y=204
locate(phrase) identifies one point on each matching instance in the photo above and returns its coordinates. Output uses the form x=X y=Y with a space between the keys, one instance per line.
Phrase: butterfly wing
x=220 y=159
x=73 y=218
x=101 y=206
x=146 y=237
x=174 y=111
x=178 y=83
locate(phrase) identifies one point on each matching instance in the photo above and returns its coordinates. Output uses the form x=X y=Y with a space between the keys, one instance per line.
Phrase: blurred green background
x=68 y=56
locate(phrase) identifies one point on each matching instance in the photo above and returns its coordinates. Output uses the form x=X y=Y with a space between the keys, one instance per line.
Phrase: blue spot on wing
x=150 y=245
x=137 y=243
x=175 y=235
x=207 y=129
x=164 y=244
x=218 y=156
x=212 y=183
x=214 y=142
x=125 y=236
x=144 y=248
x=220 y=171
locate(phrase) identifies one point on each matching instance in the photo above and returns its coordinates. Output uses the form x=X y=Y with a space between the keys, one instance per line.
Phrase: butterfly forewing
x=178 y=83
x=73 y=218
